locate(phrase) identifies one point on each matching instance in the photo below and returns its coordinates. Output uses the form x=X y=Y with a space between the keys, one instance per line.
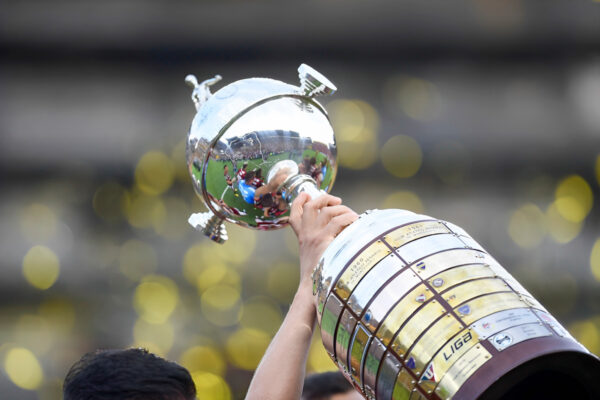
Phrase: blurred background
x=485 y=113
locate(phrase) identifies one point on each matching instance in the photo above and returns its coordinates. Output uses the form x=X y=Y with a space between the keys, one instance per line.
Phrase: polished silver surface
x=254 y=145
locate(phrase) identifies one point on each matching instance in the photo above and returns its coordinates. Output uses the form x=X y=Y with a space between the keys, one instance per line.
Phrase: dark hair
x=322 y=386
x=131 y=374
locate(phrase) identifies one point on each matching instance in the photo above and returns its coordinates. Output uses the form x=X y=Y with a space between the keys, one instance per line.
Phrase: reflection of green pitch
x=217 y=186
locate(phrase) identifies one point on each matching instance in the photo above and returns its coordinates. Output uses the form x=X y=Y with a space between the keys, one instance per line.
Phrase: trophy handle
x=210 y=225
x=201 y=91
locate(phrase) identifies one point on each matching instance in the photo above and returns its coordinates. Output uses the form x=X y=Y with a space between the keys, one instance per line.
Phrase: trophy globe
x=254 y=145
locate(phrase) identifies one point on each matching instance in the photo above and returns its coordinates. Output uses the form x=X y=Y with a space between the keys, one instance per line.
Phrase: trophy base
x=546 y=368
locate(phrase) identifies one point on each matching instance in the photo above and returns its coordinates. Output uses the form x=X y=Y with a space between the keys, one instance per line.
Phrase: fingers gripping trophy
x=409 y=306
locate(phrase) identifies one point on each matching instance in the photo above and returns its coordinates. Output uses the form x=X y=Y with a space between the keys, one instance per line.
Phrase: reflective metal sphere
x=254 y=145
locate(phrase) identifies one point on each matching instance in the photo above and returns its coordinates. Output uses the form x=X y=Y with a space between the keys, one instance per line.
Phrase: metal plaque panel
x=371 y=364
x=415 y=326
x=423 y=247
x=468 y=290
x=342 y=338
x=470 y=242
x=457 y=275
x=446 y=357
x=517 y=334
x=388 y=374
x=462 y=369
x=404 y=386
x=416 y=395
x=486 y=305
x=401 y=312
x=553 y=323
x=499 y=321
x=439 y=262
x=359 y=267
x=331 y=315
x=386 y=299
x=439 y=333
x=408 y=233
x=374 y=280
x=357 y=351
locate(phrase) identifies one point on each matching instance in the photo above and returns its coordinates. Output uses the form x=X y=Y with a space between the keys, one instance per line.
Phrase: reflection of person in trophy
x=316 y=223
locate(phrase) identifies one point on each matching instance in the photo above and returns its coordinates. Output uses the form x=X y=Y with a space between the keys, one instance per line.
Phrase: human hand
x=316 y=223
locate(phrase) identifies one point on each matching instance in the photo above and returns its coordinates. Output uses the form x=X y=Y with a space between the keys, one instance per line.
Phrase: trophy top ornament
x=254 y=145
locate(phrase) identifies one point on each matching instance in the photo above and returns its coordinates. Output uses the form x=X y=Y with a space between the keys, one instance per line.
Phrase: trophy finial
x=201 y=91
x=313 y=83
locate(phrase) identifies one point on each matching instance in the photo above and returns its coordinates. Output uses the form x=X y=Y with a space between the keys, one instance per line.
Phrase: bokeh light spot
x=526 y=226
x=261 y=313
x=401 y=156
x=220 y=304
x=246 y=347
x=137 y=259
x=560 y=229
x=586 y=332
x=33 y=332
x=205 y=359
x=109 y=201
x=23 y=368
x=178 y=157
x=173 y=225
x=282 y=281
x=574 y=198
x=157 y=338
x=145 y=211
x=318 y=359
x=405 y=200
x=154 y=173
x=38 y=222
x=356 y=124
x=210 y=386
x=41 y=267
x=155 y=298
x=417 y=98
x=59 y=314
x=595 y=260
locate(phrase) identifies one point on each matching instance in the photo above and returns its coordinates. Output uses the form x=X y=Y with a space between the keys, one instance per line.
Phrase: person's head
x=131 y=374
x=329 y=386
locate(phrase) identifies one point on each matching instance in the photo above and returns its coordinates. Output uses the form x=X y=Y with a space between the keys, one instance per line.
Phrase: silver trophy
x=409 y=306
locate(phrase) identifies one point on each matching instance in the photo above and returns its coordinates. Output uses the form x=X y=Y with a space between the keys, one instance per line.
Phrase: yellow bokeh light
x=137 y=259
x=526 y=226
x=221 y=305
x=318 y=359
x=109 y=201
x=239 y=247
x=173 y=225
x=595 y=260
x=157 y=338
x=355 y=123
x=41 y=267
x=179 y=162
x=559 y=228
x=282 y=281
x=33 y=332
x=574 y=198
x=154 y=173
x=417 y=98
x=205 y=359
x=38 y=222
x=598 y=169
x=144 y=211
x=59 y=313
x=588 y=334
x=401 y=156
x=210 y=386
x=261 y=313
x=405 y=200
x=23 y=368
x=246 y=347
x=155 y=298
